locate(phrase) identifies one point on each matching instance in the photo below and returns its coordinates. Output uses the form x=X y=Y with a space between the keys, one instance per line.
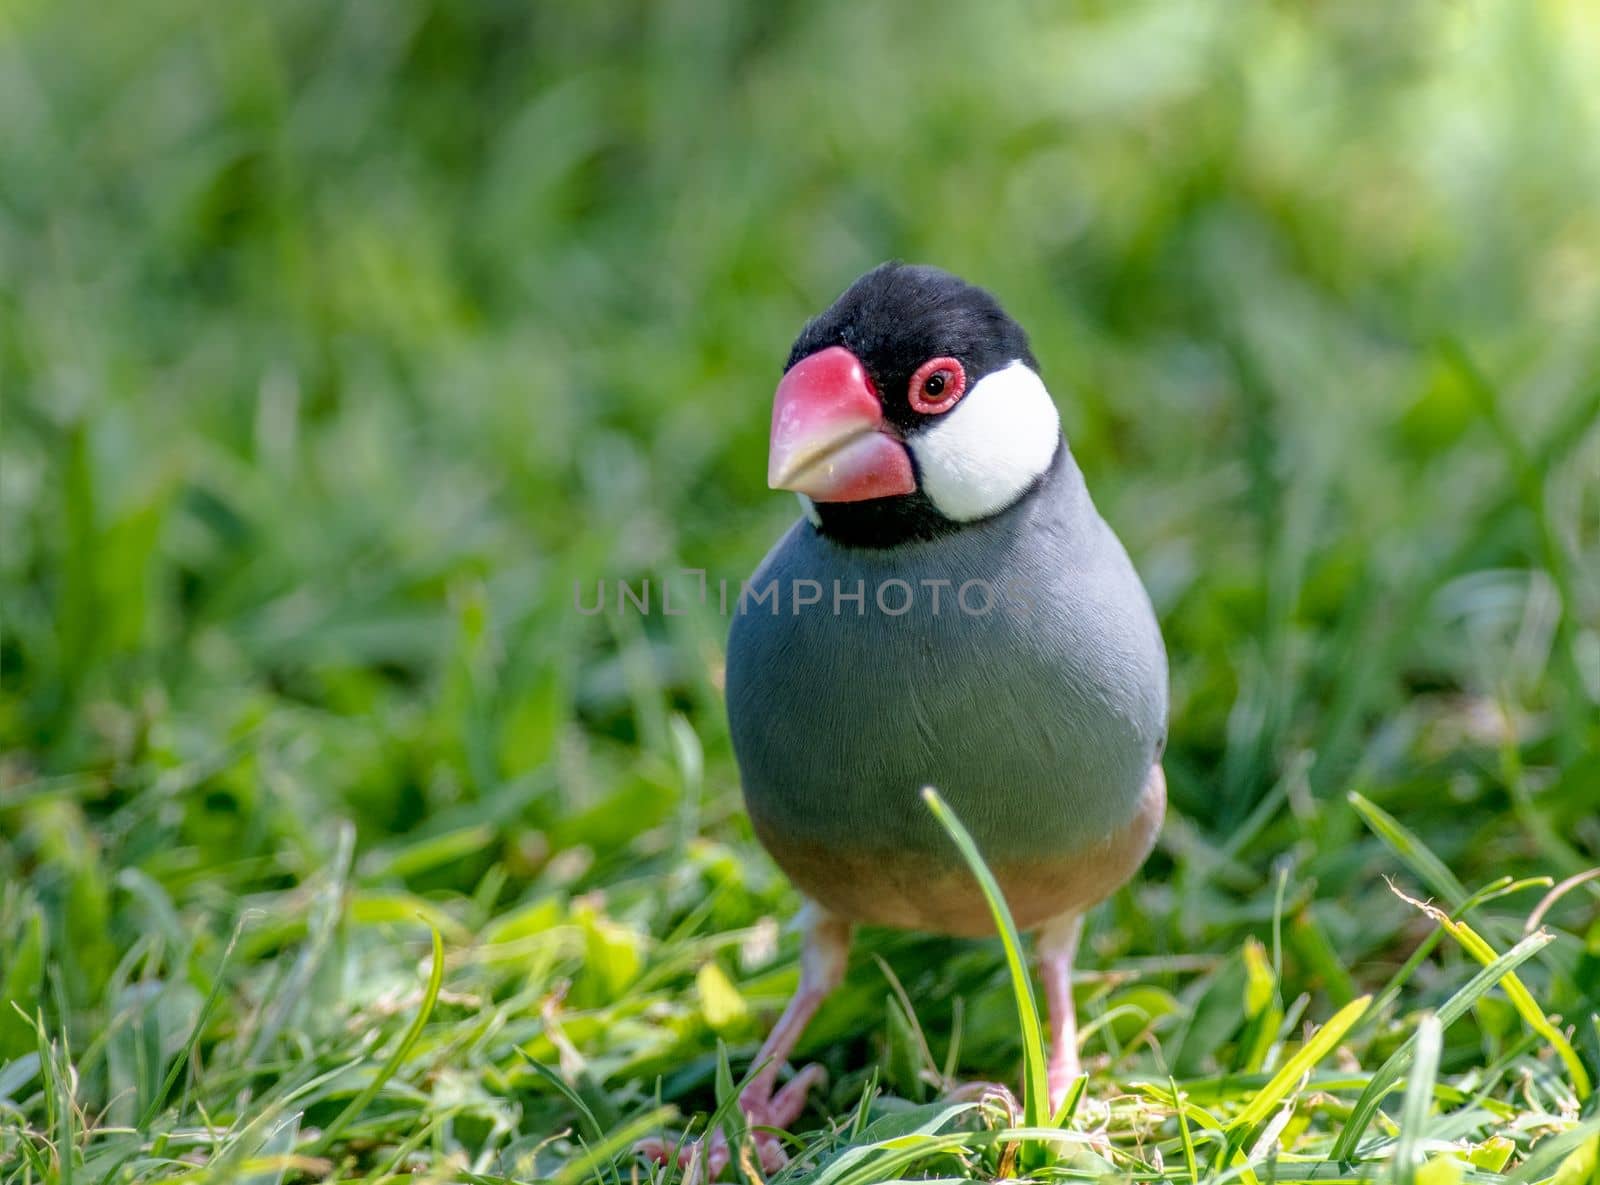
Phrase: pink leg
x=1058 y=946
x=822 y=966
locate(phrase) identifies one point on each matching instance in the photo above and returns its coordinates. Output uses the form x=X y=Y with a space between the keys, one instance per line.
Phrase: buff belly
x=911 y=891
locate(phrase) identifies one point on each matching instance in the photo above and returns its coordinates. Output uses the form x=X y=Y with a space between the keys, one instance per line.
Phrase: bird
x=950 y=610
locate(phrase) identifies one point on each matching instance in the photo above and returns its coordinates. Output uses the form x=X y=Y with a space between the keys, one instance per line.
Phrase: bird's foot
x=988 y=1094
x=703 y=1160
x=1063 y=1080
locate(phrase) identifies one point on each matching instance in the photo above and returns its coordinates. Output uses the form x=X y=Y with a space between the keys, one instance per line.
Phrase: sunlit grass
x=336 y=344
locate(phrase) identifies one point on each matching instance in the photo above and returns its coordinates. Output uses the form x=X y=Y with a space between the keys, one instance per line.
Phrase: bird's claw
x=987 y=1092
x=703 y=1160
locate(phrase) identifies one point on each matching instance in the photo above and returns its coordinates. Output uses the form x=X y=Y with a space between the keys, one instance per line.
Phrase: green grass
x=338 y=341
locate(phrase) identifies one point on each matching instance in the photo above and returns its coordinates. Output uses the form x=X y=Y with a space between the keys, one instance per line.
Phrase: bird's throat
x=911 y=518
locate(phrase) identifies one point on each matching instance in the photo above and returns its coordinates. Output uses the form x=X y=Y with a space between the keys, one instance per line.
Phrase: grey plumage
x=1039 y=723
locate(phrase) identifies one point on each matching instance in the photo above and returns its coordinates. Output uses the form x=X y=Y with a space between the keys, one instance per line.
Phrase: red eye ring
x=936 y=386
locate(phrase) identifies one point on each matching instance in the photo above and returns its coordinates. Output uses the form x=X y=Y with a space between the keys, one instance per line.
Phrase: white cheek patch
x=981 y=455
x=809 y=509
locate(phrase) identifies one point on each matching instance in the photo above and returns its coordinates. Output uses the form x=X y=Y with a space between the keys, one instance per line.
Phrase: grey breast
x=1038 y=720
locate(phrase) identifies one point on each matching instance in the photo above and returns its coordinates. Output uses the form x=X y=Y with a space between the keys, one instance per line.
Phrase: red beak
x=829 y=438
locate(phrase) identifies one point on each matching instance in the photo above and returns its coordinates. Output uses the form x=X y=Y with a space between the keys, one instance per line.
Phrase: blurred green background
x=338 y=340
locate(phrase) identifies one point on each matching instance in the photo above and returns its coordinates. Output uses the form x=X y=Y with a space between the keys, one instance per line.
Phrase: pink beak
x=829 y=438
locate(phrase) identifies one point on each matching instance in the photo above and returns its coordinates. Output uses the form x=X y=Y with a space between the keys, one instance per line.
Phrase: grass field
x=337 y=341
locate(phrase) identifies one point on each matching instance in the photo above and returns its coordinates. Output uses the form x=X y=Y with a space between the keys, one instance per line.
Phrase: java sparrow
x=979 y=628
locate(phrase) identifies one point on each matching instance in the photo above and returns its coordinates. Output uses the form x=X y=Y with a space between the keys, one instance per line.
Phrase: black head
x=911 y=407
x=898 y=316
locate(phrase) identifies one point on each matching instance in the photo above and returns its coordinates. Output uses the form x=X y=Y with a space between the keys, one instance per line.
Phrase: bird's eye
x=936 y=386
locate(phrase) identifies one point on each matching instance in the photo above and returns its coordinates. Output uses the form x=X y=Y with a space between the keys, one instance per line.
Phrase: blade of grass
x=1418 y=1100
x=566 y=1091
x=910 y=1013
x=396 y=1058
x=1191 y=1162
x=1366 y=1106
x=729 y=1117
x=586 y=1168
x=849 y=1164
x=1322 y=1043
x=858 y=1122
x=1035 y=1067
x=1311 y=943
x=390 y=1169
x=1521 y=998
x=1069 y=1104
x=1556 y=894
x=320 y=929
x=182 y=1061
x=1413 y=853
x=1557 y=1149
x=884 y=1162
